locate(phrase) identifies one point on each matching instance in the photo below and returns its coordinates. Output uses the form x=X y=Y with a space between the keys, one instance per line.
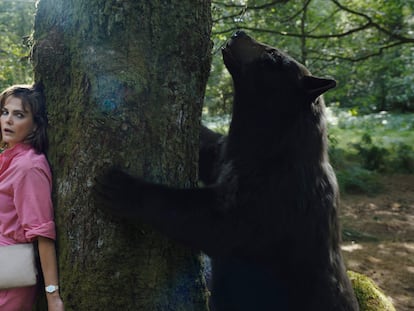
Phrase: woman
x=26 y=211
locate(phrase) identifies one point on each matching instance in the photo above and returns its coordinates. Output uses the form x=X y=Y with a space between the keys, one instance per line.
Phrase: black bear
x=268 y=215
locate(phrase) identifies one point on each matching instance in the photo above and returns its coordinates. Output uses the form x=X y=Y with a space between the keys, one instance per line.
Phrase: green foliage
x=361 y=147
x=219 y=124
x=373 y=156
x=367 y=46
x=398 y=158
x=402 y=158
x=16 y=22
x=364 y=146
x=355 y=179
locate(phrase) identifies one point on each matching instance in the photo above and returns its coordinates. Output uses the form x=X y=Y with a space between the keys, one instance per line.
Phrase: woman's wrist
x=52 y=291
x=56 y=294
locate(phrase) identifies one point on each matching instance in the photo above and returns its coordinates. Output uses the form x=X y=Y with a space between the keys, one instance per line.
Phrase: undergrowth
x=361 y=147
x=364 y=147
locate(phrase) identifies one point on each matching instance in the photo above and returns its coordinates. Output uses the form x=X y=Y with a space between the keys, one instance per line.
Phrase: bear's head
x=276 y=101
x=270 y=76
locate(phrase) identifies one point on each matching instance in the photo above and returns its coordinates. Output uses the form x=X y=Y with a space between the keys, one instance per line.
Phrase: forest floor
x=379 y=237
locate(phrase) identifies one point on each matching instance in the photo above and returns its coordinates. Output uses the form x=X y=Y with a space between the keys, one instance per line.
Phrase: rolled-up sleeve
x=34 y=204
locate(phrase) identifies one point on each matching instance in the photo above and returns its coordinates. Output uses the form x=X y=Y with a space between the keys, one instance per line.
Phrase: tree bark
x=124 y=82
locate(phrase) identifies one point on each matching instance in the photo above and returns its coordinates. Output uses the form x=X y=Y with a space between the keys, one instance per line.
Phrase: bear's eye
x=271 y=61
x=270 y=58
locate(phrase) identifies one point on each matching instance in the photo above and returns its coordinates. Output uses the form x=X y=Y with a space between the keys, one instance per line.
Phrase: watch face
x=51 y=288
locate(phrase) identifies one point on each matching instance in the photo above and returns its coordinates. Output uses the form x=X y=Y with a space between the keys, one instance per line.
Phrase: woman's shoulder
x=27 y=159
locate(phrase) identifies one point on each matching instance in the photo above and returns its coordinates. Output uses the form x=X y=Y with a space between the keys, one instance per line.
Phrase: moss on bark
x=124 y=82
x=370 y=297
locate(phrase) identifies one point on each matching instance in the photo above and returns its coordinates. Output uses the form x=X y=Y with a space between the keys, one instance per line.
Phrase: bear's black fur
x=268 y=215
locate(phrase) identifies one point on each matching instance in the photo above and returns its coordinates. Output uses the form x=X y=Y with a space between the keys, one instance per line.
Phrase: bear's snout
x=243 y=49
x=238 y=33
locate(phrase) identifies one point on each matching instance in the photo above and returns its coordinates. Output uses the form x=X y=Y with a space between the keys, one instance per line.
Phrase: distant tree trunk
x=124 y=82
x=303 y=22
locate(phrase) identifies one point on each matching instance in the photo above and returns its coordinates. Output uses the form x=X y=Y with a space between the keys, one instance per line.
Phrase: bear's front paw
x=117 y=192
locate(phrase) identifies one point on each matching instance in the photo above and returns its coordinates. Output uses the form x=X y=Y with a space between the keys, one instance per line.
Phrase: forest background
x=367 y=46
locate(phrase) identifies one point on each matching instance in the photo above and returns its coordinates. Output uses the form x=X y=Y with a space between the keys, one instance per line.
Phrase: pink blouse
x=26 y=209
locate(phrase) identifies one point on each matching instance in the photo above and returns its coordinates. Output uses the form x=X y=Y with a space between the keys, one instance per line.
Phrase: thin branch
x=252 y=7
x=244 y=8
x=369 y=23
x=297 y=35
x=373 y=24
x=231 y=17
x=311 y=36
x=366 y=56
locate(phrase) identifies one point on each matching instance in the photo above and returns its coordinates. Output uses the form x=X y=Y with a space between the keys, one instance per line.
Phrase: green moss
x=369 y=296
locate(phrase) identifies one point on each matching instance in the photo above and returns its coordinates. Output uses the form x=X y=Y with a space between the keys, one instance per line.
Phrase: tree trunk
x=124 y=82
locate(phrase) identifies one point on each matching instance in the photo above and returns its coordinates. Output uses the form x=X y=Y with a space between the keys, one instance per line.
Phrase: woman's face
x=16 y=123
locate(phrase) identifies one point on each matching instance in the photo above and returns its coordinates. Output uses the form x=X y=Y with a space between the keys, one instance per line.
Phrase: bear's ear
x=315 y=86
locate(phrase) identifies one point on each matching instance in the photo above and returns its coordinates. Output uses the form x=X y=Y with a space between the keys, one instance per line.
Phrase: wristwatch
x=50 y=289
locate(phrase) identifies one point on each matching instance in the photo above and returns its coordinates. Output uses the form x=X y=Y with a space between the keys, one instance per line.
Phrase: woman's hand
x=47 y=253
x=54 y=302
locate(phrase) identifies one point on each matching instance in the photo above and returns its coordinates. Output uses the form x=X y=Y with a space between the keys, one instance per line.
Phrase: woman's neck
x=3 y=146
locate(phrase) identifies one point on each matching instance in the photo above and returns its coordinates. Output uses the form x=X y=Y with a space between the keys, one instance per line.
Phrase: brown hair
x=32 y=98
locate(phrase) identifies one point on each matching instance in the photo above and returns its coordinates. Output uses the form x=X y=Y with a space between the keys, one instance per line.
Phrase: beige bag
x=17 y=266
